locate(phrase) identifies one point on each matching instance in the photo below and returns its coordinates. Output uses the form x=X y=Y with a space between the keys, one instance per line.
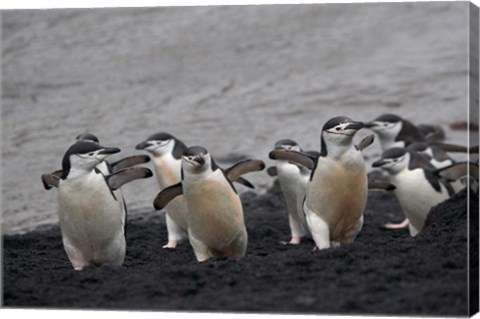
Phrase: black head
x=389 y=118
x=196 y=159
x=339 y=120
x=337 y=134
x=418 y=146
x=87 y=137
x=85 y=155
x=163 y=143
x=195 y=151
x=285 y=142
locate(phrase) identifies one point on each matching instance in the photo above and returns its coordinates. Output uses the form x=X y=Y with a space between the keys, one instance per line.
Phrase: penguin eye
x=385 y=124
x=337 y=128
x=90 y=154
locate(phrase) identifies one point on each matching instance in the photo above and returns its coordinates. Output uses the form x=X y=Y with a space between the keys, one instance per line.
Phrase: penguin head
x=196 y=160
x=394 y=160
x=387 y=126
x=87 y=137
x=287 y=144
x=338 y=132
x=83 y=156
x=158 y=144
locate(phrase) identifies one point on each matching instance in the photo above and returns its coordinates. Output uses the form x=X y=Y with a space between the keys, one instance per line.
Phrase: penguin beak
x=378 y=163
x=354 y=126
x=370 y=124
x=142 y=145
x=199 y=159
x=109 y=150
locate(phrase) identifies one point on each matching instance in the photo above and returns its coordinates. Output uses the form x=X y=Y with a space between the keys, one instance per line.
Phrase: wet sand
x=382 y=272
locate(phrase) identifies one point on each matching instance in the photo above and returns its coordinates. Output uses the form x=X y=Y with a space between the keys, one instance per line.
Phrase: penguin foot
x=403 y=224
x=293 y=241
x=170 y=245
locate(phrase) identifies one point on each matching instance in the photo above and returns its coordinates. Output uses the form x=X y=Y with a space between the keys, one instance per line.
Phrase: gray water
x=234 y=79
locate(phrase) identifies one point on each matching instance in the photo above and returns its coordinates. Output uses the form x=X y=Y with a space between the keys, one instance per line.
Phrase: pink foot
x=171 y=245
x=403 y=224
x=294 y=241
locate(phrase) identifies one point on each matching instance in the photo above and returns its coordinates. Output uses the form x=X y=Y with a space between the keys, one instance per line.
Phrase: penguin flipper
x=129 y=161
x=233 y=173
x=295 y=157
x=374 y=184
x=451 y=148
x=166 y=195
x=272 y=171
x=51 y=180
x=244 y=182
x=121 y=177
x=459 y=170
x=366 y=142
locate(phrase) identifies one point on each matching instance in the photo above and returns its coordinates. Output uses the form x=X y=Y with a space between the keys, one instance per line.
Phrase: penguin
x=459 y=171
x=418 y=188
x=106 y=167
x=432 y=133
x=167 y=153
x=51 y=180
x=216 y=226
x=92 y=219
x=289 y=177
x=394 y=131
x=336 y=193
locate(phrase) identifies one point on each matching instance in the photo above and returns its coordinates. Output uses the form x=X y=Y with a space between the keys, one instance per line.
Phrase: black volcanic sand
x=382 y=272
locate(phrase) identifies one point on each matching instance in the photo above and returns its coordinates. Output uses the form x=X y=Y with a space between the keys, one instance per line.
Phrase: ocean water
x=234 y=79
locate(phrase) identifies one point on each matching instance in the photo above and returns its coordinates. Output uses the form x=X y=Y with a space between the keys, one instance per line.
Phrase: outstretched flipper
x=272 y=171
x=129 y=162
x=243 y=167
x=294 y=157
x=51 y=180
x=119 y=178
x=459 y=170
x=450 y=148
x=366 y=142
x=166 y=195
x=380 y=185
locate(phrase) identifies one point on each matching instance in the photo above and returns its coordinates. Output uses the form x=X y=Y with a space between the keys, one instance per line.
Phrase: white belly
x=416 y=196
x=168 y=172
x=288 y=176
x=215 y=213
x=91 y=220
x=337 y=193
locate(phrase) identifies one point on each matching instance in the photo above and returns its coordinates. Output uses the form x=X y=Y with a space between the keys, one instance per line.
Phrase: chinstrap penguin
x=216 y=226
x=289 y=176
x=336 y=193
x=167 y=153
x=418 y=188
x=92 y=219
